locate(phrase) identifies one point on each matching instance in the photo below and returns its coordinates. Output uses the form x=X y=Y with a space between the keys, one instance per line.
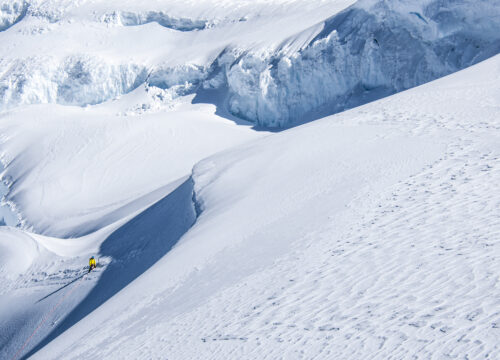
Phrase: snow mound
x=104 y=179
x=370 y=50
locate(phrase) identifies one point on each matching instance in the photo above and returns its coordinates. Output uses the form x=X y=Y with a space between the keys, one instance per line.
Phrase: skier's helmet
x=91 y=257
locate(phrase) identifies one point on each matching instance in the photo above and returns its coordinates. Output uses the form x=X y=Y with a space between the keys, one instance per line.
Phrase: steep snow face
x=373 y=49
x=129 y=18
x=110 y=159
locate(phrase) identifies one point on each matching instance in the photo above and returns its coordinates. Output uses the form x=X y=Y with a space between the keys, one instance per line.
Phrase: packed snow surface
x=136 y=132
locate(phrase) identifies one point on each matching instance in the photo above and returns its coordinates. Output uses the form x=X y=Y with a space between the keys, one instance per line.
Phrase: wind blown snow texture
x=369 y=234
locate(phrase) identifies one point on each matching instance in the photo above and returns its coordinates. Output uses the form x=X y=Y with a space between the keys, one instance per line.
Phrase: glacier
x=373 y=49
x=370 y=50
x=282 y=179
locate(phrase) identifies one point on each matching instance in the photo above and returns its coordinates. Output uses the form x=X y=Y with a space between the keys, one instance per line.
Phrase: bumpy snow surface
x=161 y=137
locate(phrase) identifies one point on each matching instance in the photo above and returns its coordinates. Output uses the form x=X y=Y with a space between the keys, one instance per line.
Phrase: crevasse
x=370 y=50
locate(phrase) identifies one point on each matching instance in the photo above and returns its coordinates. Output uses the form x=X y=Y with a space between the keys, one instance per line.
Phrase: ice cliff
x=370 y=50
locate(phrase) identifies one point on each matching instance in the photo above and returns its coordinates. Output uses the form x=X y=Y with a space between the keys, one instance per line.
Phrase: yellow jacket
x=91 y=262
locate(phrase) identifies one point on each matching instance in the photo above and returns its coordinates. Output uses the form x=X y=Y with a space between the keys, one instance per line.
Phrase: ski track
x=43 y=297
x=44 y=280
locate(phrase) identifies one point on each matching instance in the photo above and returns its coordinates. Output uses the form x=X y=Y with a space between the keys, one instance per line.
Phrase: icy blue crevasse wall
x=372 y=49
x=368 y=51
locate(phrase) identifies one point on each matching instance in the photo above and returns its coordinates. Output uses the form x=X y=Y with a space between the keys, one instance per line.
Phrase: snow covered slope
x=110 y=160
x=372 y=233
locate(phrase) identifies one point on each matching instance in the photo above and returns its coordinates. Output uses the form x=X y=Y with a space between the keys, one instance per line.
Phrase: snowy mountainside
x=379 y=241
x=140 y=132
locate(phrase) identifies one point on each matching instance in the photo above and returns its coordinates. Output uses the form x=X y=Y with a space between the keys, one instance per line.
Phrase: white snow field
x=175 y=141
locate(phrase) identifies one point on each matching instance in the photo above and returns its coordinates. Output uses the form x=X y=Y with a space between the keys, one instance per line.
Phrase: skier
x=92 y=264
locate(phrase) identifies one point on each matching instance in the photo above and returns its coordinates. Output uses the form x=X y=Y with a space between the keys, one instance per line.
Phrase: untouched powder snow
x=17 y=252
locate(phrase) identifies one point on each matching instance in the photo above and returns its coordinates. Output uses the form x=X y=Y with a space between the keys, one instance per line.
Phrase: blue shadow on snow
x=134 y=248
